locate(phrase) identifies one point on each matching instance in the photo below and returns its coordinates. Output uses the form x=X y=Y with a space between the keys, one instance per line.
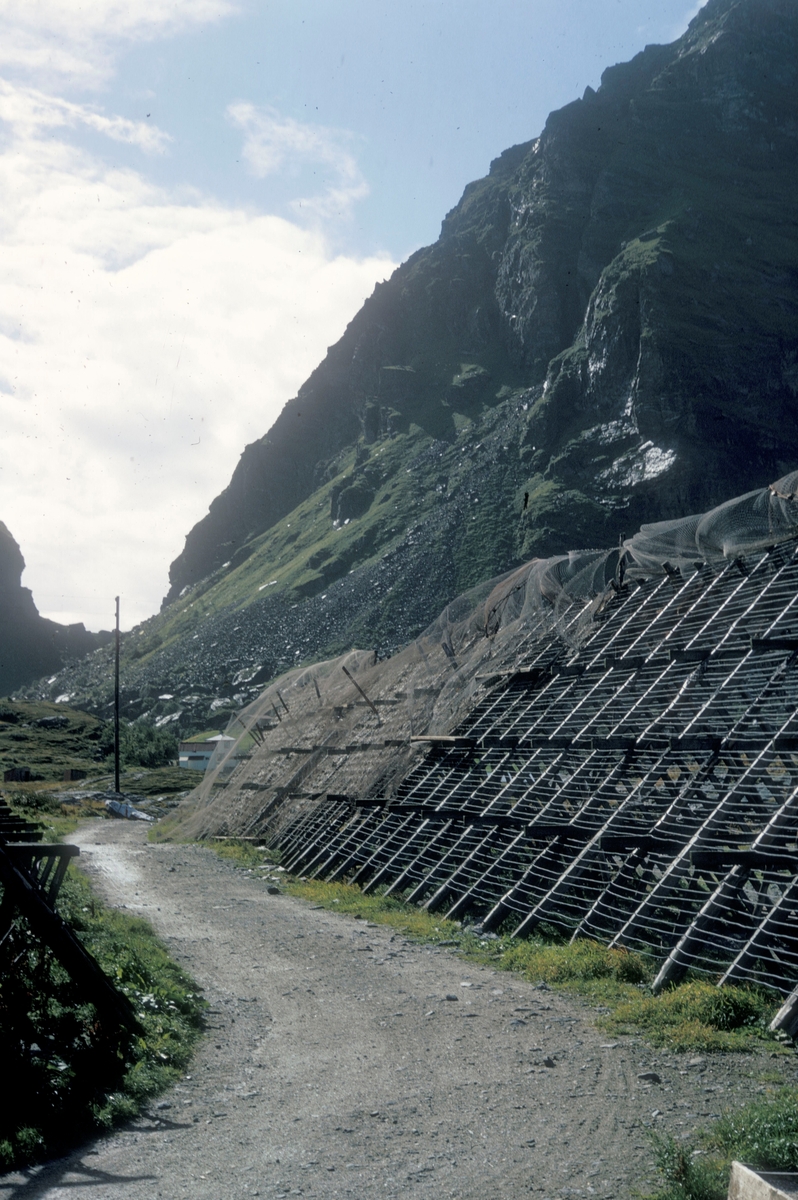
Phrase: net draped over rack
x=606 y=743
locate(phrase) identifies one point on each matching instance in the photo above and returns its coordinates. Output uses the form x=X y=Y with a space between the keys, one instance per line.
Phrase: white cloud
x=144 y=339
x=29 y=111
x=145 y=336
x=274 y=143
x=75 y=39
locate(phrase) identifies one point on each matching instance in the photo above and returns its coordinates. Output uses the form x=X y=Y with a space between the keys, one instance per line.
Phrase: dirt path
x=338 y=1064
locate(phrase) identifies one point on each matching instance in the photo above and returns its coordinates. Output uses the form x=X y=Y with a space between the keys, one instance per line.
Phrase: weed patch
x=243 y=854
x=762 y=1134
x=687 y=1174
x=582 y=963
x=71 y=1076
x=698 y=1016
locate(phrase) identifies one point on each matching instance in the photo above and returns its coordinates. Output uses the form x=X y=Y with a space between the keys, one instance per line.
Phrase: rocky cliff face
x=31 y=645
x=603 y=334
x=635 y=266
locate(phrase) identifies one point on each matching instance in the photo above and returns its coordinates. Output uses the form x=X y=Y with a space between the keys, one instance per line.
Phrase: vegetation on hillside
x=65 y=1074
x=141 y=744
x=49 y=739
x=52 y=739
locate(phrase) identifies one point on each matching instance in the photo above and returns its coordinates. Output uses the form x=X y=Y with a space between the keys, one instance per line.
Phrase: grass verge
x=695 y=1016
x=71 y=1076
x=44 y=807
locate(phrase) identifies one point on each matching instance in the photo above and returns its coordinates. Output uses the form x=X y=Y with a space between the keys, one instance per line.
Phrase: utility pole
x=116 y=703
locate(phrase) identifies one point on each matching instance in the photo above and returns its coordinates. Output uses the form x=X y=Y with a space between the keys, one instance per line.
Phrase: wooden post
x=352 y=679
x=116 y=702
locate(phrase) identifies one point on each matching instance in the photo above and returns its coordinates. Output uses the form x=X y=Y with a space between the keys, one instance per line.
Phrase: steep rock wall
x=30 y=645
x=639 y=257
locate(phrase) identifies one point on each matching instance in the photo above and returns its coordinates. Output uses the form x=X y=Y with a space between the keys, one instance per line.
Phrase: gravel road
x=343 y=1060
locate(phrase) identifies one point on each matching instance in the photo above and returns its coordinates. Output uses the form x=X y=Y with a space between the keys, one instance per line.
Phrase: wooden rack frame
x=643 y=791
x=31 y=874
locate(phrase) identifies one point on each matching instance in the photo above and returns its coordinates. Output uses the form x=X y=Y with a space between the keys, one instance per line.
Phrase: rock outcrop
x=30 y=645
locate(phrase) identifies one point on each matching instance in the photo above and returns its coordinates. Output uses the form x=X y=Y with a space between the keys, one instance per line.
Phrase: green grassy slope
x=50 y=738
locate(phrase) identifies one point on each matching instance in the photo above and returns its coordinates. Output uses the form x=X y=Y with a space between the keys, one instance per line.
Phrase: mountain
x=30 y=645
x=604 y=334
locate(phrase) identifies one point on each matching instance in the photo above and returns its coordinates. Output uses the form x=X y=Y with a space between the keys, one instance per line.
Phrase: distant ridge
x=30 y=645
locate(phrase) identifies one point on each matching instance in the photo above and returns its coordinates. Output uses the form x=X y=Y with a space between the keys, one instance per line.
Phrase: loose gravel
x=343 y=1060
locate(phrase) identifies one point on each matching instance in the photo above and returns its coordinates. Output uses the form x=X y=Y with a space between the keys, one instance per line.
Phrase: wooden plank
x=435 y=739
x=45 y=862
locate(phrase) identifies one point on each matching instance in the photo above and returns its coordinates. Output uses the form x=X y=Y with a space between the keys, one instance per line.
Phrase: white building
x=196 y=754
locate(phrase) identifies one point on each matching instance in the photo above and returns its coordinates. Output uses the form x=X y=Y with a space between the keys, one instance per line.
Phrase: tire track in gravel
x=335 y=1065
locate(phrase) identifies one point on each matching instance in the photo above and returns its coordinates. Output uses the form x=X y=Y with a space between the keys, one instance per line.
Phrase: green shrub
x=32 y=804
x=243 y=854
x=141 y=744
x=687 y=1173
x=72 y=1075
x=698 y=1016
x=582 y=960
x=763 y=1134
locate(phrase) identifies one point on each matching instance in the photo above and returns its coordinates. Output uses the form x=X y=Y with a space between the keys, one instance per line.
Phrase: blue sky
x=199 y=194
x=422 y=95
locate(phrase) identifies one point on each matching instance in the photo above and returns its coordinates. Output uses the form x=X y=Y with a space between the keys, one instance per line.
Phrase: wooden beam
x=46 y=924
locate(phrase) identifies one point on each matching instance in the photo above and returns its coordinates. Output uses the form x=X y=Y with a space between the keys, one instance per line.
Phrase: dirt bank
x=342 y=1060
